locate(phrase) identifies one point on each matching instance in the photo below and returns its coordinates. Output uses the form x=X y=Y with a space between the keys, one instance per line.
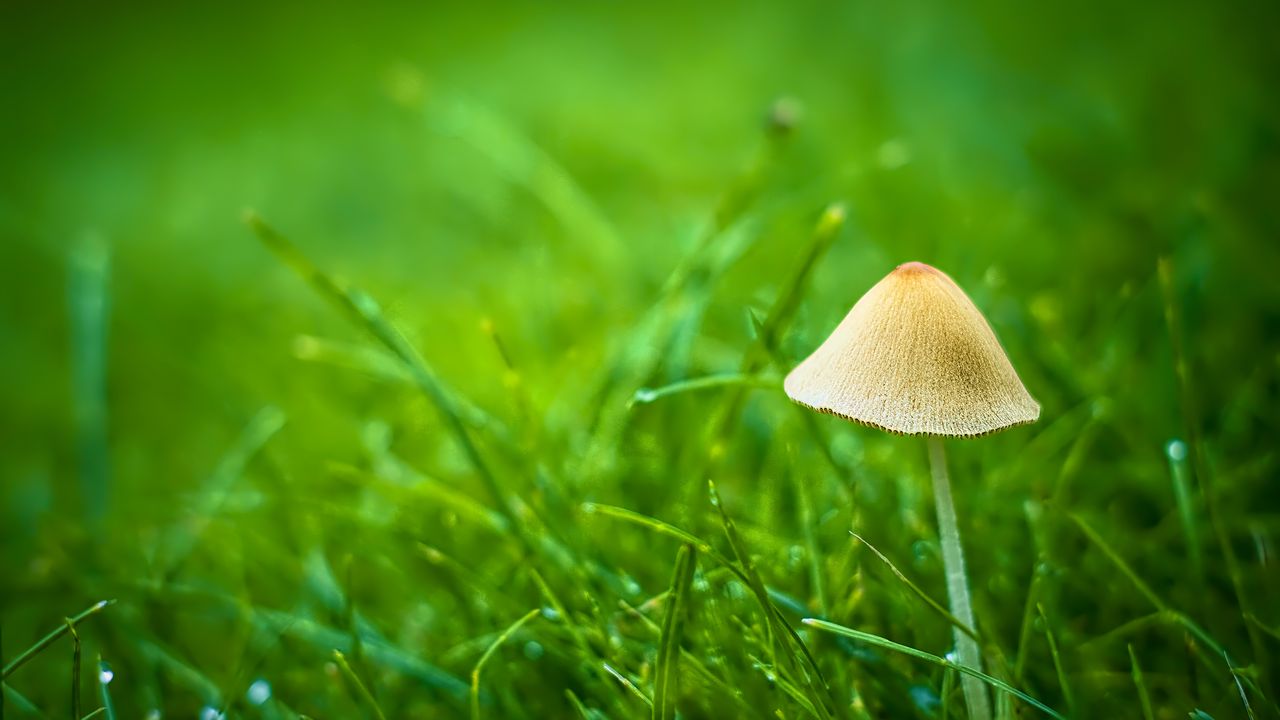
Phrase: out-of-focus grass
x=543 y=268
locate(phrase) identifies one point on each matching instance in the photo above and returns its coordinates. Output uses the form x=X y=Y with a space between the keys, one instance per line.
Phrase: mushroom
x=915 y=357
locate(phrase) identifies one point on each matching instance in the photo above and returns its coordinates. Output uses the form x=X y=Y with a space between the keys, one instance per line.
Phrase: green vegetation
x=476 y=411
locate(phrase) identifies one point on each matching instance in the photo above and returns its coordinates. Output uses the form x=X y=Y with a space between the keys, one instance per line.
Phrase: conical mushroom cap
x=915 y=356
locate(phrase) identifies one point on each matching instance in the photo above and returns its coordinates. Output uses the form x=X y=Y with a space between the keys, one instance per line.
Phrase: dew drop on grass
x=795 y=556
x=106 y=674
x=921 y=551
x=550 y=613
x=1177 y=450
x=533 y=650
x=951 y=657
x=645 y=395
x=211 y=713
x=259 y=692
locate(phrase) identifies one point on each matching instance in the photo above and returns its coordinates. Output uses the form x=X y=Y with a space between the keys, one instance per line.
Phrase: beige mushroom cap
x=915 y=356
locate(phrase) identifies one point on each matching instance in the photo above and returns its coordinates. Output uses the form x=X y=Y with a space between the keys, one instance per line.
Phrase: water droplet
x=921 y=551
x=644 y=395
x=211 y=713
x=1177 y=450
x=533 y=650
x=105 y=675
x=951 y=657
x=259 y=692
x=550 y=613
x=795 y=556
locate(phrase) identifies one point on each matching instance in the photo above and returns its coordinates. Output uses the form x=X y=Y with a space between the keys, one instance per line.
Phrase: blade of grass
x=365 y=311
x=105 y=676
x=1244 y=697
x=583 y=712
x=825 y=231
x=644 y=396
x=773 y=616
x=807 y=525
x=1118 y=561
x=48 y=640
x=681 y=298
x=20 y=702
x=696 y=664
x=1024 y=631
x=797 y=695
x=654 y=524
x=1197 y=452
x=1057 y=660
x=627 y=684
x=781 y=632
x=361 y=689
x=715 y=432
x=184 y=536
x=75 y=668
x=88 y=301
x=1164 y=612
x=522 y=162
x=929 y=657
x=1180 y=476
x=381 y=365
x=919 y=593
x=665 y=689
x=493 y=647
x=1144 y=698
x=377 y=651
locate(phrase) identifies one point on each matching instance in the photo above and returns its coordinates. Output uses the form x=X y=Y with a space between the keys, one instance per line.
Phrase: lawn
x=416 y=362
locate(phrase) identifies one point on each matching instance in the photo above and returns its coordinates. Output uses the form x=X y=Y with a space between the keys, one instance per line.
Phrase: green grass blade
x=105 y=676
x=20 y=702
x=524 y=163
x=488 y=653
x=1057 y=659
x=213 y=493
x=1118 y=561
x=781 y=632
x=929 y=657
x=918 y=592
x=583 y=712
x=88 y=300
x=362 y=690
x=376 y=651
x=627 y=684
x=48 y=640
x=1244 y=697
x=1144 y=698
x=665 y=685
x=825 y=231
x=655 y=524
x=364 y=310
x=75 y=668
x=647 y=395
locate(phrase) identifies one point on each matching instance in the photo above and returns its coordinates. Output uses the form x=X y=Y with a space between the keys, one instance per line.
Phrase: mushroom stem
x=967 y=652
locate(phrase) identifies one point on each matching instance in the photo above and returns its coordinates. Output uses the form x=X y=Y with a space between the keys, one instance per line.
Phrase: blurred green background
x=557 y=206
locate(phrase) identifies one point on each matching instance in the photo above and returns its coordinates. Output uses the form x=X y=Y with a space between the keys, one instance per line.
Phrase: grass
x=479 y=412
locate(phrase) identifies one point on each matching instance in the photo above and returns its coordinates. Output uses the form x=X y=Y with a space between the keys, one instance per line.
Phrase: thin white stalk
x=967 y=652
